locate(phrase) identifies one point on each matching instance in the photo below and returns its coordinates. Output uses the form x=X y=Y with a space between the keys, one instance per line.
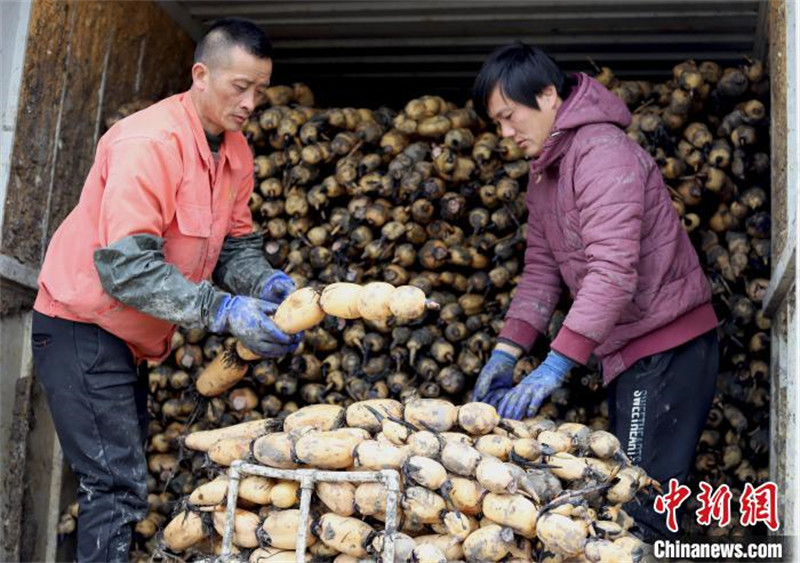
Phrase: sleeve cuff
x=574 y=346
x=520 y=333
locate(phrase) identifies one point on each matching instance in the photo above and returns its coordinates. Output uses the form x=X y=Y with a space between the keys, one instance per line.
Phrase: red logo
x=716 y=506
x=756 y=504
x=671 y=501
x=760 y=504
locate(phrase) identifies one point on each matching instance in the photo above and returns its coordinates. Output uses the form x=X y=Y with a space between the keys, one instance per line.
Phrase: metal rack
x=307 y=478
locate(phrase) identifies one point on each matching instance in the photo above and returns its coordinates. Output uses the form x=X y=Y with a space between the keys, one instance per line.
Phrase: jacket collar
x=232 y=139
x=554 y=148
x=226 y=149
x=197 y=130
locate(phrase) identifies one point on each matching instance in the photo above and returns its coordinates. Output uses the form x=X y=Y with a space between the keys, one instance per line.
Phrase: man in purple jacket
x=601 y=221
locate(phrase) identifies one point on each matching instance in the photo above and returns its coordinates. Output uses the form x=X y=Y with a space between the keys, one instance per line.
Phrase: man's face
x=230 y=88
x=529 y=127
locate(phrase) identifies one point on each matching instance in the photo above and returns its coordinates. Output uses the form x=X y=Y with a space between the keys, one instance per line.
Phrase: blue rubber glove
x=247 y=319
x=496 y=375
x=495 y=397
x=277 y=287
x=526 y=398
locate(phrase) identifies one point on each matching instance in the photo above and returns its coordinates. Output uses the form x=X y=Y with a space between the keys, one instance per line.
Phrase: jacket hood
x=589 y=103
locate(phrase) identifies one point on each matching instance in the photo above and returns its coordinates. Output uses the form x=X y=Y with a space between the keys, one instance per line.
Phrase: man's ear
x=550 y=94
x=547 y=99
x=200 y=74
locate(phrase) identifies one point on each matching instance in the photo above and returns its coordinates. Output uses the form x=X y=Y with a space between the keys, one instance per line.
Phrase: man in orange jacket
x=164 y=209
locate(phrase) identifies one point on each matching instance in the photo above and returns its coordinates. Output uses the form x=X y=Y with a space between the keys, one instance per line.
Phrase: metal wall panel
x=387 y=51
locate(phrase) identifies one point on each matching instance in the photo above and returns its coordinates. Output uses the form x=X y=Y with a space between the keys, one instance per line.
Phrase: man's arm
x=133 y=270
x=243 y=268
x=536 y=297
x=537 y=293
x=610 y=200
x=139 y=203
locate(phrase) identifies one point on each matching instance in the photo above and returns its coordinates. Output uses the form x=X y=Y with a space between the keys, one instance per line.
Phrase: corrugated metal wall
x=387 y=51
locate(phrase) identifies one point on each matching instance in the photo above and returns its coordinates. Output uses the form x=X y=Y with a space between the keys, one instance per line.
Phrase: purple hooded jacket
x=601 y=220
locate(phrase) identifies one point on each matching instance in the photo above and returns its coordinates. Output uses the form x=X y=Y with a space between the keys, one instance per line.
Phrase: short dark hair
x=229 y=32
x=522 y=72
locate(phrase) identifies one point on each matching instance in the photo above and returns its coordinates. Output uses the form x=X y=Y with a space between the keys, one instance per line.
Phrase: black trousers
x=658 y=409
x=99 y=406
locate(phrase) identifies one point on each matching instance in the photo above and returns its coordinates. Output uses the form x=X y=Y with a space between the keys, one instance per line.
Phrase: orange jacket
x=153 y=174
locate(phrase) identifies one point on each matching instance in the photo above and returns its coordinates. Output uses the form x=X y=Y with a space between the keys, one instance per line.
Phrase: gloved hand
x=277 y=287
x=495 y=397
x=247 y=319
x=526 y=398
x=496 y=375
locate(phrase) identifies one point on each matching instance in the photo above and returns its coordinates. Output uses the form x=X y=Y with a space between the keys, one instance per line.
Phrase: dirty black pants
x=99 y=406
x=658 y=409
